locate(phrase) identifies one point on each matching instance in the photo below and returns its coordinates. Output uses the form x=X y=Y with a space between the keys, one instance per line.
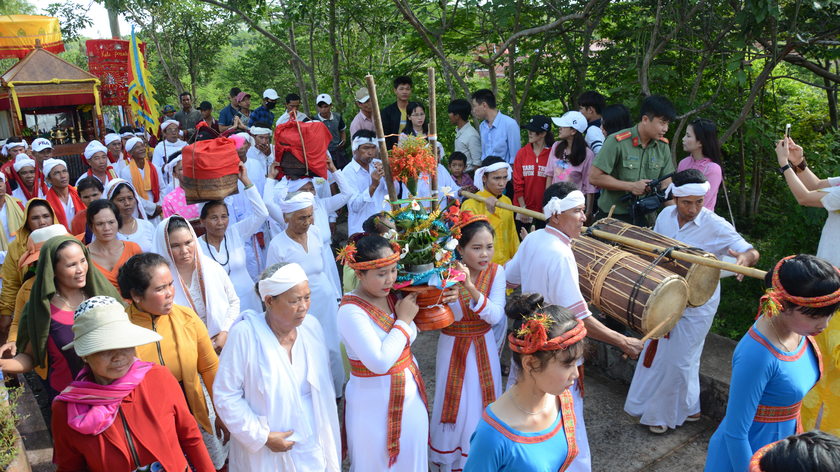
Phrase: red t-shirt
x=529 y=177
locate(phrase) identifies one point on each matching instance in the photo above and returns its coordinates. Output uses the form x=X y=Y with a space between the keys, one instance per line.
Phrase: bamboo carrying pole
x=433 y=186
x=654 y=331
x=682 y=256
x=380 y=137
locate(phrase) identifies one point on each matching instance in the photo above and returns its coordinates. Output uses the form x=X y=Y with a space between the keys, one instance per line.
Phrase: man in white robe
x=666 y=392
x=545 y=264
x=262 y=150
x=137 y=151
x=273 y=389
x=170 y=143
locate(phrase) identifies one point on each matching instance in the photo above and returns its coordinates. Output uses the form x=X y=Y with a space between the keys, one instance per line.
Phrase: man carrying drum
x=545 y=264
x=665 y=391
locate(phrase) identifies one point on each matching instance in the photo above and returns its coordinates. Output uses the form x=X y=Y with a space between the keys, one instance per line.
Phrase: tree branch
x=775 y=77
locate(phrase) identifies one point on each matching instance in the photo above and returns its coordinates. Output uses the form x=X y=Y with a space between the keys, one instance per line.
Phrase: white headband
x=282 y=281
x=127 y=134
x=256 y=130
x=129 y=145
x=247 y=137
x=295 y=185
x=9 y=146
x=298 y=202
x=51 y=164
x=167 y=123
x=556 y=206
x=21 y=161
x=111 y=137
x=688 y=190
x=479 y=173
x=93 y=147
x=359 y=141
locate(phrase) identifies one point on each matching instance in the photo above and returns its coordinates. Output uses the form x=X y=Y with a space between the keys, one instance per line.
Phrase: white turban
x=359 y=141
x=111 y=137
x=129 y=145
x=127 y=134
x=295 y=185
x=8 y=146
x=168 y=123
x=556 y=206
x=297 y=202
x=22 y=160
x=93 y=147
x=688 y=190
x=51 y=164
x=256 y=130
x=282 y=281
x=247 y=137
x=479 y=173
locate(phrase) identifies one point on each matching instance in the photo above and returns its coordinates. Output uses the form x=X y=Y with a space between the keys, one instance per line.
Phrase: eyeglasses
x=416 y=115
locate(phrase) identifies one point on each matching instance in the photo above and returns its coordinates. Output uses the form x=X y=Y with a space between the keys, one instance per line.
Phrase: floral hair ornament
x=347 y=256
x=533 y=336
x=463 y=219
x=771 y=304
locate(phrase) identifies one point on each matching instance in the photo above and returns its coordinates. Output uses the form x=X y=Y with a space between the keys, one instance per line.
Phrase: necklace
x=529 y=412
x=133 y=227
x=227 y=253
x=84 y=297
x=773 y=325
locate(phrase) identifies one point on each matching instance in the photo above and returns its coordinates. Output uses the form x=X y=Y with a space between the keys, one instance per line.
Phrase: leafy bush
x=8 y=420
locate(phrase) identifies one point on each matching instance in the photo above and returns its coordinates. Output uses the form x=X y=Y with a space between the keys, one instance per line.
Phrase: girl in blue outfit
x=532 y=425
x=777 y=362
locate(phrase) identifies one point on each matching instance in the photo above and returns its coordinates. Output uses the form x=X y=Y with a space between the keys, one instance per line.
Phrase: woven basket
x=205 y=190
x=211 y=170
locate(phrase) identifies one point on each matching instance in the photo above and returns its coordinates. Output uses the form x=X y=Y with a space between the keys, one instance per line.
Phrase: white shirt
x=265 y=160
x=286 y=117
x=18 y=193
x=829 y=248
x=126 y=174
x=468 y=141
x=163 y=150
x=143 y=237
x=707 y=231
x=362 y=205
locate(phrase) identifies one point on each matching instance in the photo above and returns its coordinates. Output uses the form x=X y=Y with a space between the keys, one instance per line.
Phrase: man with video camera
x=633 y=161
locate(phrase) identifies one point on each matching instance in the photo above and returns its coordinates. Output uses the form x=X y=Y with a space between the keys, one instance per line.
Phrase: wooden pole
x=380 y=136
x=655 y=330
x=433 y=187
x=681 y=256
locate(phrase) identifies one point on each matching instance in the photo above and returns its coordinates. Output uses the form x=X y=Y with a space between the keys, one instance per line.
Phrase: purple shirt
x=713 y=174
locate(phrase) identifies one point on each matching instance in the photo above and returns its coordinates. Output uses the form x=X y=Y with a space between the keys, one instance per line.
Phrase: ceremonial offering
x=411 y=159
x=211 y=170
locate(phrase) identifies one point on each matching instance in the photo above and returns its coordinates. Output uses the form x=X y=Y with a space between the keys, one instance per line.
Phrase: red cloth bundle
x=211 y=170
x=316 y=139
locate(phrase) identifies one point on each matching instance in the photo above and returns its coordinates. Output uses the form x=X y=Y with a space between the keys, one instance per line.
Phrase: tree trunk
x=334 y=48
x=742 y=168
x=831 y=95
x=312 y=82
x=304 y=96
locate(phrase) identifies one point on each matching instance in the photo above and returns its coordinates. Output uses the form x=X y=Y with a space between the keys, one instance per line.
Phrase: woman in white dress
x=301 y=243
x=287 y=421
x=136 y=227
x=377 y=333
x=225 y=242
x=199 y=282
x=812 y=191
x=468 y=374
x=323 y=208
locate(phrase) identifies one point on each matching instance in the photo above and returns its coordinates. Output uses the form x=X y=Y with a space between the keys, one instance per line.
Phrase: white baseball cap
x=571 y=119
x=323 y=98
x=270 y=94
x=40 y=144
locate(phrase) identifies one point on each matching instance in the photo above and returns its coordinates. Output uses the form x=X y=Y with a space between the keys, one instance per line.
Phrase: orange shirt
x=129 y=250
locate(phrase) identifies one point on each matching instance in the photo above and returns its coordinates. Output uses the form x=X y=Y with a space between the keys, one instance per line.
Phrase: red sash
x=112 y=174
x=470 y=329
x=58 y=206
x=396 y=372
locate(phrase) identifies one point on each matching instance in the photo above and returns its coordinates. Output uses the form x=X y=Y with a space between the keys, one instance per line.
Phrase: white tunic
x=149 y=205
x=18 y=193
x=829 y=248
x=298 y=395
x=324 y=303
x=232 y=255
x=668 y=392
x=322 y=209
x=163 y=150
x=362 y=205
x=450 y=444
x=242 y=208
x=144 y=236
x=366 y=407
x=256 y=154
x=545 y=264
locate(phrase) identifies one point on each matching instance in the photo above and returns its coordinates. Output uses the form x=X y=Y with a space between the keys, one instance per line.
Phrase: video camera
x=649 y=203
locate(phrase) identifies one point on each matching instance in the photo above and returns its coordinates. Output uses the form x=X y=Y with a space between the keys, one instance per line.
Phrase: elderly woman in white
x=287 y=421
x=302 y=244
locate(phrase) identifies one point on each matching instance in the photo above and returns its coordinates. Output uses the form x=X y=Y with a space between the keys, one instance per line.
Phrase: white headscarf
x=93 y=147
x=50 y=164
x=297 y=202
x=282 y=281
x=479 y=173
x=21 y=161
x=111 y=190
x=247 y=137
x=129 y=145
x=555 y=206
x=215 y=297
x=111 y=137
x=688 y=190
x=8 y=146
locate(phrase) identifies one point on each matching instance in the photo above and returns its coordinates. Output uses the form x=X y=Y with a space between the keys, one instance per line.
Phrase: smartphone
x=787 y=132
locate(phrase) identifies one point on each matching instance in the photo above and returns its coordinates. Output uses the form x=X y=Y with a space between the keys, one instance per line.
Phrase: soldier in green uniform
x=631 y=158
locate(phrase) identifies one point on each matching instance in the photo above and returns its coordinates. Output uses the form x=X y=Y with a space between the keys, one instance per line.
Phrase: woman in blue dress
x=532 y=425
x=777 y=362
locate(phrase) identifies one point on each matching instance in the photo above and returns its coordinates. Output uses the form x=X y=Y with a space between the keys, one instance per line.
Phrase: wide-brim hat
x=36 y=240
x=101 y=324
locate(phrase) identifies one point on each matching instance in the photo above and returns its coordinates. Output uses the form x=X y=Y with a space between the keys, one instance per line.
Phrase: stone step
x=36 y=437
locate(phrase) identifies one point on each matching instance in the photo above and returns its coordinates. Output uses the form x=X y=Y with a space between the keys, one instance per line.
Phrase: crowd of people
x=243 y=346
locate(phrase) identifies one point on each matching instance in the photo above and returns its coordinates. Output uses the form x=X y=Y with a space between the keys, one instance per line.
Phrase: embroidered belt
x=397 y=395
x=465 y=333
x=780 y=414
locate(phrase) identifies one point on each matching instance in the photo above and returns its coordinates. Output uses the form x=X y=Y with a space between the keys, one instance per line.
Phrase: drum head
x=669 y=297
x=702 y=283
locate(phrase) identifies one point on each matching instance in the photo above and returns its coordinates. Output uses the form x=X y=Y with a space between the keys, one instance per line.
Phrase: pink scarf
x=91 y=408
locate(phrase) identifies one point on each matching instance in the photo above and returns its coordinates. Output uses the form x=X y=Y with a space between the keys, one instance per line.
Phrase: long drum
x=702 y=280
x=627 y=288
